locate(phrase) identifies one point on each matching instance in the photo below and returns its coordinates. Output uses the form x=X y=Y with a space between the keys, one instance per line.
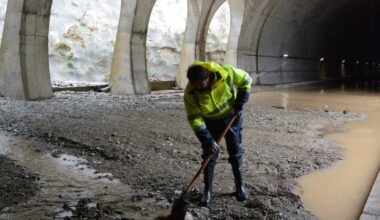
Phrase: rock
x=137 y=197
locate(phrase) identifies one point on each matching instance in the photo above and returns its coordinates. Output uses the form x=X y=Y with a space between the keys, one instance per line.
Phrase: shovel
x=180 y=205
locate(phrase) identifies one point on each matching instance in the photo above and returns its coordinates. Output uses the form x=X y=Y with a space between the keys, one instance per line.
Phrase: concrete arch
x=237 y=8
x=273 y=28
x=215 y=50
x=129 y=73
x=262 y=31
x=202 y=34
x=254 y=20
x=199 y=16
x=283 y=34
x=164 y=39
x=306 y=31
x=24 y=61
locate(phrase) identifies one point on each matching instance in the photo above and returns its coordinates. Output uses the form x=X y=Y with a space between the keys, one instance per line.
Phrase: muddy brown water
x=339 y=192
x=65 y=179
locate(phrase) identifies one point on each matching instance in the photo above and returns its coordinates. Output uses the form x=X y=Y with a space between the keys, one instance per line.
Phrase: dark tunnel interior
x=350 y=36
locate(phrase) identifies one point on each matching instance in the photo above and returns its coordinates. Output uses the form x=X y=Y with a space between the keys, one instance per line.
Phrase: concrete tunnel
x=276 y=41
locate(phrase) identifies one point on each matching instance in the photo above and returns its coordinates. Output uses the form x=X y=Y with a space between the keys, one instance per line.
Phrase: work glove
x=215 y=148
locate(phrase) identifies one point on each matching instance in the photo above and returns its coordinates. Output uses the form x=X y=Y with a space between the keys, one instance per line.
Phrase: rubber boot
x=208 y=175
x=241 y=194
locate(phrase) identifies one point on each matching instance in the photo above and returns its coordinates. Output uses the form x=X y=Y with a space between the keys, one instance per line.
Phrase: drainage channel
x=65 y=180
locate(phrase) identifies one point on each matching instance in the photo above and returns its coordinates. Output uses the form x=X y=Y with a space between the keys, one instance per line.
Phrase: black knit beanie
x=197 y=72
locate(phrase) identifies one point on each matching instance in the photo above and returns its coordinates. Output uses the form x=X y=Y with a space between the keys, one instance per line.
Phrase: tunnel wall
x=303 y=30
x=273 y=28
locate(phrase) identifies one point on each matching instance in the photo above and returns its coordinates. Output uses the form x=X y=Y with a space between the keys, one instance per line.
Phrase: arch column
x=24 y=59
x=129 y=75
x=236 y=21
x=199 y=15
x=211 y=7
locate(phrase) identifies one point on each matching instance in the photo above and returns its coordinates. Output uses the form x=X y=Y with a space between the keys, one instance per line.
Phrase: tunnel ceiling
x=342 y=29
x=351 y=31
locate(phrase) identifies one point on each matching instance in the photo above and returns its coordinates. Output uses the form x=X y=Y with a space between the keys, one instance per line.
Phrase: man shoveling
x=211 y=101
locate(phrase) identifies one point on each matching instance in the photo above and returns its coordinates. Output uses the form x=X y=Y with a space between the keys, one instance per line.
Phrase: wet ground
x=16 y=183
x=114 y=157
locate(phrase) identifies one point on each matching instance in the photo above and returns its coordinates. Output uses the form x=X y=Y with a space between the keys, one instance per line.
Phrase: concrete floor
x=372 y=208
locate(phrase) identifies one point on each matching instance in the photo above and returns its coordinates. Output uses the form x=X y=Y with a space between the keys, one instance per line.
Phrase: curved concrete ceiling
x=309 y=30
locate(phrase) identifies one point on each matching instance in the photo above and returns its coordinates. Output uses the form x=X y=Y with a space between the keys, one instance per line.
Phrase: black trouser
x=233 y=139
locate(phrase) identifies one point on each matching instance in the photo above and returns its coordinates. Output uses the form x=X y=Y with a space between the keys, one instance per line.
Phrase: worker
x=211 y=100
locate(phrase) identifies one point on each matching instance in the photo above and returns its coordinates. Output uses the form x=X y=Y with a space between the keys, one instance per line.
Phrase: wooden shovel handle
x=208 y=158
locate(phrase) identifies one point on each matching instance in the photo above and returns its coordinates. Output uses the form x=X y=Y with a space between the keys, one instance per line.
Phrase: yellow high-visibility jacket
x=217 y=101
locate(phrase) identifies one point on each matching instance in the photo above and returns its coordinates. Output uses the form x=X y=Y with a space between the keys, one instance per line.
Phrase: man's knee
x=236 y=160
x=213 y=159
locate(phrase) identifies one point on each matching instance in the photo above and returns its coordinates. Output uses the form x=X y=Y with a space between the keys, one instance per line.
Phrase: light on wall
x=322 y=59
x=357 y=62
x=285 y=55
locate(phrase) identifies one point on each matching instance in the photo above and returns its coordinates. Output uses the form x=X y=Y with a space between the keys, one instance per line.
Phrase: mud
x=146 y=144
x=17 y=184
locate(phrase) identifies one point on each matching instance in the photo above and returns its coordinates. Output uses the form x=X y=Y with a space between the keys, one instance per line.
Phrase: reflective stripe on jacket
x=217 y=101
